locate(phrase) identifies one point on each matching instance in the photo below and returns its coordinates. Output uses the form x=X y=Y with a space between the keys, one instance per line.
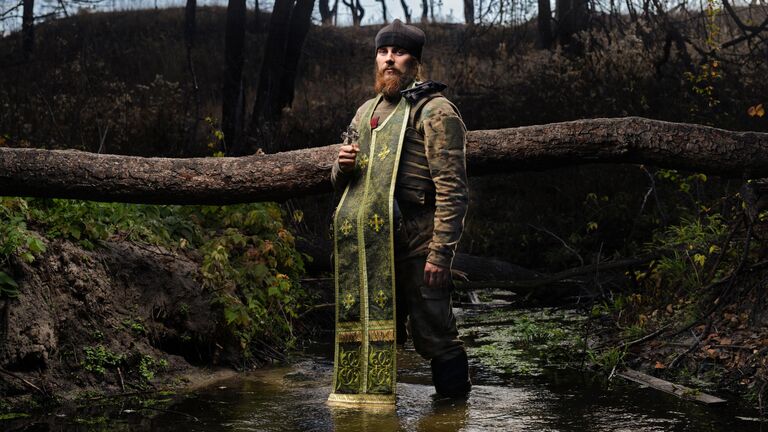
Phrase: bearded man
x=403 y=172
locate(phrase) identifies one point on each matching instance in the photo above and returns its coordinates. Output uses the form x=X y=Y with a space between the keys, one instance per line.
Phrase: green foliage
x=148 y=366
x=15 y=241
x=249 y=260
x=135 y=326
x=88 y=222
x=98 y=359
x=607 y=359
x=254 y=269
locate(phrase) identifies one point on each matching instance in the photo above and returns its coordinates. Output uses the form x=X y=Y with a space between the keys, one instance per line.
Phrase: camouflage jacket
x=431 y=187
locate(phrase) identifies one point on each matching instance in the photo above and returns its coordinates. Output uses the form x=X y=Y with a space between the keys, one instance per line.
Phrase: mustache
x=393 y=69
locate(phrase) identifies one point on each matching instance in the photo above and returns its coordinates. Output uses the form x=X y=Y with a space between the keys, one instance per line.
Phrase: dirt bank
x=120 y=318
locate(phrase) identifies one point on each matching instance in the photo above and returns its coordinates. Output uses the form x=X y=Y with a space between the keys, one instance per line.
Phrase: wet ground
x=506 y=396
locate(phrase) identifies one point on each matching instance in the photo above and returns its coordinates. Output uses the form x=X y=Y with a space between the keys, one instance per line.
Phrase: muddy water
x=503 y=399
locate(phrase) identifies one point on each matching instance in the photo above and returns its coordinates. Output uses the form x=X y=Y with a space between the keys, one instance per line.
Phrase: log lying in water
x=678 y=390
x=79 y=175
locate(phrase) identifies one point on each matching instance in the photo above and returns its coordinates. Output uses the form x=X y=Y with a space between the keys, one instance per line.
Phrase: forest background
x=215 y=81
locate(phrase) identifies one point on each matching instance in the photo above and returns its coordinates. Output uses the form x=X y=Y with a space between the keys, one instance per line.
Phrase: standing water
x=503 y=398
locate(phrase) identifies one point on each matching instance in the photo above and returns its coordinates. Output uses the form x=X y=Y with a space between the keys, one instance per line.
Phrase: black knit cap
x=408 y=37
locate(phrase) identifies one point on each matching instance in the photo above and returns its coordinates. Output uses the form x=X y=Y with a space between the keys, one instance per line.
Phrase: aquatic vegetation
x=524 y=342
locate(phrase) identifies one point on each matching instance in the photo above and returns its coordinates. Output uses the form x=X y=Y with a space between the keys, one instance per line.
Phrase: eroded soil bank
x=118 y=319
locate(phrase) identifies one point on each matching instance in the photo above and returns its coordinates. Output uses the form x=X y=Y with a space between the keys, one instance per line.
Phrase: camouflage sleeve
x=445 y=145
x=340 y=179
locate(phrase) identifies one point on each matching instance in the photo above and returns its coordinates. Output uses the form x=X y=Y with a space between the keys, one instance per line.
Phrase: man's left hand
x=436 y=276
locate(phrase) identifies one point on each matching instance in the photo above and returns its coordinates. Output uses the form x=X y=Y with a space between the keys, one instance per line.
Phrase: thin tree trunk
x=193 y=90
x=469 y=12
x=384 y=10
x=266 y=107
x=406 y=11
x=326 y=16
x=424 y=11
x=544 y=21
x=301 y=20
x=74 y=174
x=256 y=26
x=232 y=104
x=28 y=29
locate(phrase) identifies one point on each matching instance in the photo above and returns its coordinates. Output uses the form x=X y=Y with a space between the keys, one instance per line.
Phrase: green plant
x=148 y=366
x=607 y=359
x=98 y=359
x=252 y=266
x=135 y=326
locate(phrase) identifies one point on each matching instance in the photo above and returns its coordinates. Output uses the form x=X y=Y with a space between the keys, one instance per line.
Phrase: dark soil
x=142 y=305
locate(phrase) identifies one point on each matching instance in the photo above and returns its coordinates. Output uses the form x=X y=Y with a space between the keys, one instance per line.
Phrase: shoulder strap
x=418 y=106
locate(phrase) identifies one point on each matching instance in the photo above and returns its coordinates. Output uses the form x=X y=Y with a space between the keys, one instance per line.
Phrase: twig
x=557 y=277
x=692 y=347
x=29 y=384
x=120 y=374
x=565 y=245
x=647 y=337
x=315 y=307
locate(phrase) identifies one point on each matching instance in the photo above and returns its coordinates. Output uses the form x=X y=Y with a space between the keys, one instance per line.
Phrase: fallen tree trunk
x=73 y=174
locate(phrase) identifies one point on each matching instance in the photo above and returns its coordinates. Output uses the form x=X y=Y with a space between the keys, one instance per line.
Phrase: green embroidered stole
x=365 y=357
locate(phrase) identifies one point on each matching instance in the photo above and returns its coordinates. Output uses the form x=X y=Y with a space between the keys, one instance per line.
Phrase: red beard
x=391 y=84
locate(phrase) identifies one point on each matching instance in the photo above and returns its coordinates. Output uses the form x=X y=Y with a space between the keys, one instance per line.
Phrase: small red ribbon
x=374 y=122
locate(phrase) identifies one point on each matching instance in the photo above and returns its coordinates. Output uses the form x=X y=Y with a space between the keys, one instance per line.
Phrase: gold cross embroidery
x=349 y=301
x=384 y=153
x=381 y=299
x=376 y=222
x=363 y=162
x=346 y=227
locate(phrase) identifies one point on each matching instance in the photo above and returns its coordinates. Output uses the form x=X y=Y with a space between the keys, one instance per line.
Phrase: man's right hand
x=347 y=155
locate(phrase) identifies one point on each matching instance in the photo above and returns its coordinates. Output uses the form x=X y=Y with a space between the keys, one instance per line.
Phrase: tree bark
x=301 y=20
x=544 y=24
x=406 y=11
x=384 y=10
x=469 y=12
x=572 y=17
x=326 y=13
x=28 y=29
x=192 y=105
x=73 y=174
x=266 y=109
x=232 y=112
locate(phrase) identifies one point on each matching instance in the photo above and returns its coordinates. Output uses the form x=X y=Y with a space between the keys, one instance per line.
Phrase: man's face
x=391 y=59
x=395 y=69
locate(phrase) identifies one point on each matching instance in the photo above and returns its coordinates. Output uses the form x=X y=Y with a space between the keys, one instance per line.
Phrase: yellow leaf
x=756 y=111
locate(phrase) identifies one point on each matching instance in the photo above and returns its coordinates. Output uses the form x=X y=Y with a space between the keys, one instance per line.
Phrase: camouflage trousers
x=425 y=312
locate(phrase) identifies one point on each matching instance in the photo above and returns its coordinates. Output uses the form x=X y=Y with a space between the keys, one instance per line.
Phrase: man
x=427 y=202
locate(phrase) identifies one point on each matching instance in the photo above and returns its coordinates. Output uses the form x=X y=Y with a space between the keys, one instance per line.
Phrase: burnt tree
x=74 y=174
x=469 y=12
x=298 y=27
x=544 y=24
x=28 y=29
x=356 y=10
x=572 y=17
x=406 y=11
x=288 y=28
x=327 y=13
x=232 y=111
x=384 y=10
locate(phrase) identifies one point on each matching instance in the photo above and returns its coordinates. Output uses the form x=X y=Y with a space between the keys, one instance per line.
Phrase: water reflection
x=294 y=399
